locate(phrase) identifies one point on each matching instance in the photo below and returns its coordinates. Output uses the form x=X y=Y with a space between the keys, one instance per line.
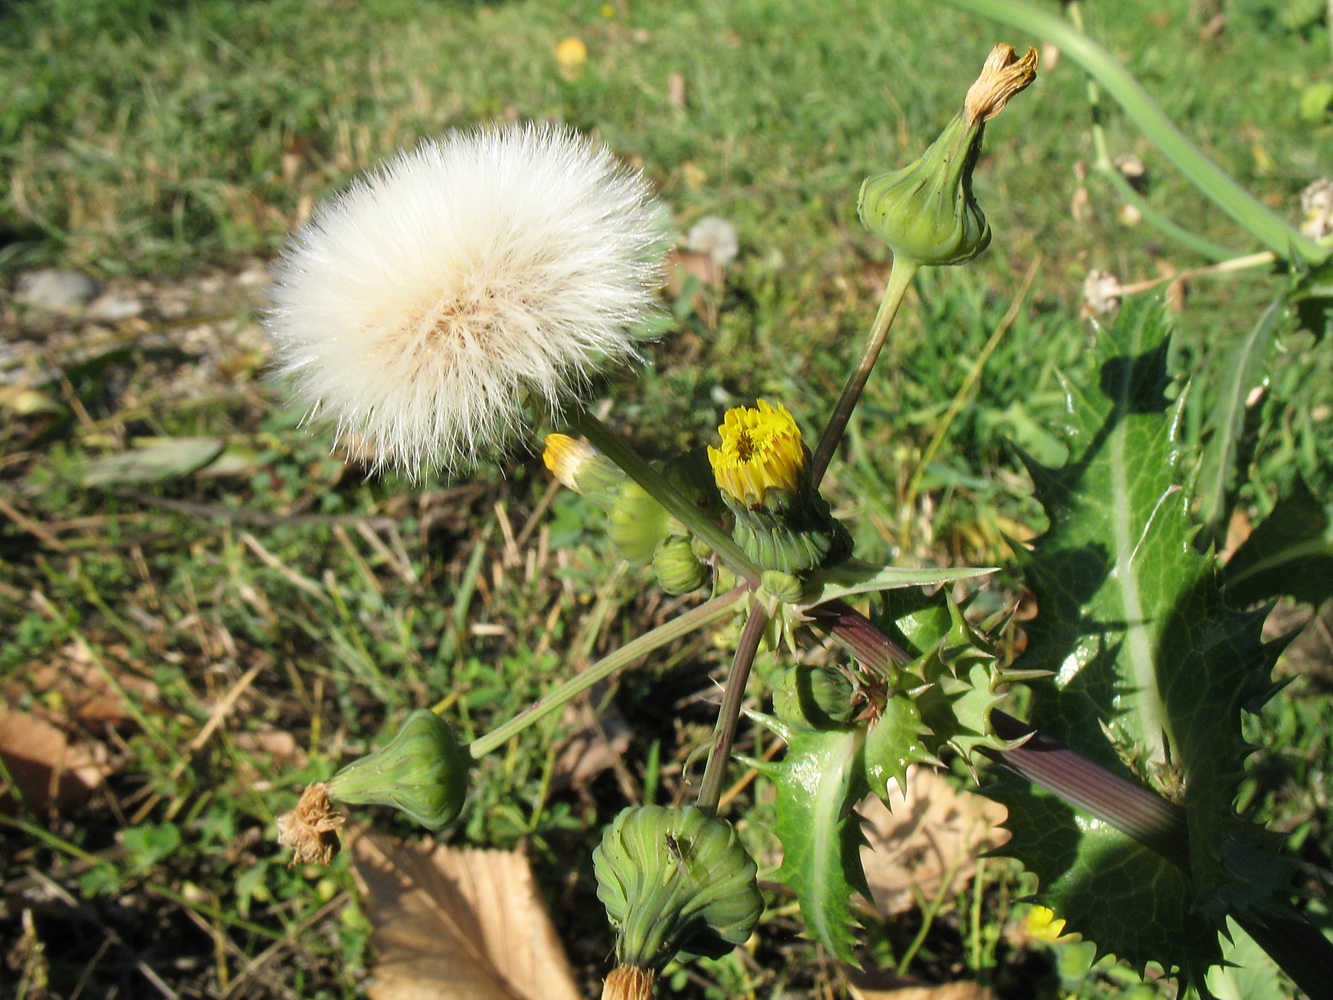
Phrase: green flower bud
x=582 y=468
x=675 y=880
x=637 y=524
x=925 y=212
x=815 y=698
x=422 y=771
x=781 y=587
x=678 y=569
x=791 y=533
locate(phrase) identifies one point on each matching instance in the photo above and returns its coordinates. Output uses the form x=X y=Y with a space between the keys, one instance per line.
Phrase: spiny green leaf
x=1291 y=553
x=1151 y=670
x=1127 y=899
x=819 y=780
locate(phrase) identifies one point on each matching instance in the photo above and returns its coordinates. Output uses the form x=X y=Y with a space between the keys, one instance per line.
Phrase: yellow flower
x=565 y=457
x=585 y=470
x=761 y=450
x=571 y=58
x=1042 y=924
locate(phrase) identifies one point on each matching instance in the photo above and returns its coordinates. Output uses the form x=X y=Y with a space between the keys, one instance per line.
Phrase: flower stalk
x=900 y=279
x=705 y=614
x=728 y=715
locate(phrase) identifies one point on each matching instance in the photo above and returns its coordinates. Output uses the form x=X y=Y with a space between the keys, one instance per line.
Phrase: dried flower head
x=425 y=306
x=311 y=829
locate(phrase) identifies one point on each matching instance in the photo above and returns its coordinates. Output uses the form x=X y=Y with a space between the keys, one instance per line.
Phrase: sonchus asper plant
x=470 y=287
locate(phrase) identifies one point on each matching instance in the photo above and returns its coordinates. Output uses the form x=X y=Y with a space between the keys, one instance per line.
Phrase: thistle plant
x=471 y=288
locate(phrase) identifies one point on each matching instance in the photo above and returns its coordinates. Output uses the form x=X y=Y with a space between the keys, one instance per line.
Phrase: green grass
x=150 y=141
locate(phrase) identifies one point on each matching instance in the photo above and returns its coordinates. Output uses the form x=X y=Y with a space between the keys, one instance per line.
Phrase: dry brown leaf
x=928 y=842
x=456 y=924
x=594 y=748
x=88 y=696
x=53 y=774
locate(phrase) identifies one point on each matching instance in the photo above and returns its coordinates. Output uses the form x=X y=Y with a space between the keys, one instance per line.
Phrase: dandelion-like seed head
x=761 y=450
x=425 y=306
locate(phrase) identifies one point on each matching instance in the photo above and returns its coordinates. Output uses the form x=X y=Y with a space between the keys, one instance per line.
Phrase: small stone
x=56 y=290
x=254 y=276
x=113 y=308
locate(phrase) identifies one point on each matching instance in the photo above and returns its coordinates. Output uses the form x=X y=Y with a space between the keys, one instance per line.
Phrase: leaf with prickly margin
x=1150 y=668
x=896 y=741
x=1291 y=552
x=957 y=710
x=944 y=697
x=916 y=620
x=819 y=780
x=1114 y=891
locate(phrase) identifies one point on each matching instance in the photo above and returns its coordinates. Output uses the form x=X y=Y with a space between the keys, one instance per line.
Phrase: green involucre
x=422 y=771
x=675 y=880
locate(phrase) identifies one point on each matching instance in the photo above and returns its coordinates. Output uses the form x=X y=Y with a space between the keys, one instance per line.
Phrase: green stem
x=899 y=279
x=705 y=614
x=729 y=713
x=1269 y=228
x=1193 y=241
x=1105 y=166
x=656 y=486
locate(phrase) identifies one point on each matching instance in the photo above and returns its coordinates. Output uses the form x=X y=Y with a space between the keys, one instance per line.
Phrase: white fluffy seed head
x=425 y=306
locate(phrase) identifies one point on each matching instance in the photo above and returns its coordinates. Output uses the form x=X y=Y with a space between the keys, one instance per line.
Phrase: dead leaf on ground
x=87 y=695
x=52 y=773
x=929 y=842
x=454 y=924
x=599 y=743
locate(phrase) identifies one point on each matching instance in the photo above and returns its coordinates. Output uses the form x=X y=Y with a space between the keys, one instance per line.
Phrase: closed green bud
x=678 y=569
x=637 y=524
x=781 y=587
x=675 y=880
x=422 y=771
x=926 y=212
x=815 y=698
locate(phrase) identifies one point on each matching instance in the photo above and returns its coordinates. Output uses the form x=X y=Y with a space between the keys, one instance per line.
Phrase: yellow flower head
x=761 y=450
x=582 y=468
x=566 y=456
